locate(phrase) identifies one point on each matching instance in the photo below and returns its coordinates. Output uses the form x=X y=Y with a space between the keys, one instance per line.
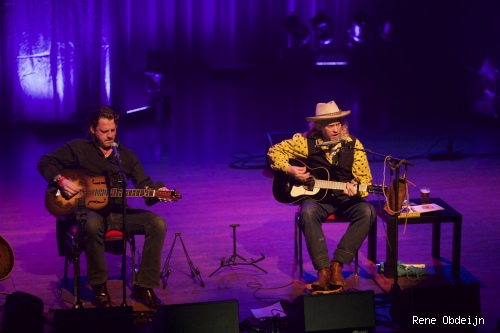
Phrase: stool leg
x=295 y=246
x=69 y=254
x=356 y=261
x=134 y=259
x=298 y=244
x=66 y=267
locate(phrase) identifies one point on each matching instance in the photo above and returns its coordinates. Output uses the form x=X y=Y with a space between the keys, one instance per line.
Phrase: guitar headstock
x=168 y=195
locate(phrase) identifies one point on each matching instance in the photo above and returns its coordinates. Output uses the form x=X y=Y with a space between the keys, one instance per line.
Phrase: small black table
x=449 y=214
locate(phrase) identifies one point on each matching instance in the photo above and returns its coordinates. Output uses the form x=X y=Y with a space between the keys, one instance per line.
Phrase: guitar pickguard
x=299 y=190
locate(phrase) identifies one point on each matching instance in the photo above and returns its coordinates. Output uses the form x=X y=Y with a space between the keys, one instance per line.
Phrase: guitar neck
x=118 y=192
x=331 y=185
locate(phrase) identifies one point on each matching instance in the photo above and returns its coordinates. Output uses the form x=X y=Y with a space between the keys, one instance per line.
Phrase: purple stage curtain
x=55 y=59
x=59 y=57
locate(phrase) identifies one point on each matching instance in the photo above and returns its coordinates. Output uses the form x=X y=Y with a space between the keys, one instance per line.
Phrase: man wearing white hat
x=327 y=149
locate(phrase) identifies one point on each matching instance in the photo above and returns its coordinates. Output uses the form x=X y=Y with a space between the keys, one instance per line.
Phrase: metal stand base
x=165 y=273
x=232 y=260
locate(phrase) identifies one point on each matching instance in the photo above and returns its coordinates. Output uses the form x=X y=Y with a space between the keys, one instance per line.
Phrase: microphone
x=331 y=144
x=114 y=146
x=327 y=144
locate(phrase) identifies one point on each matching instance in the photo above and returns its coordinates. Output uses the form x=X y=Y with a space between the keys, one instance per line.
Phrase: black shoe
x=101 y=296
x=146 y=296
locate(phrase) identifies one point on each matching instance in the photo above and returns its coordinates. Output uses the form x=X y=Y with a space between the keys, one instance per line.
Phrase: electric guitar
x=288 y=190
x=96 y=194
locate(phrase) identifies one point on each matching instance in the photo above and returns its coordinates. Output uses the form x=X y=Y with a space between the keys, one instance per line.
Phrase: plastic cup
x=425 y=193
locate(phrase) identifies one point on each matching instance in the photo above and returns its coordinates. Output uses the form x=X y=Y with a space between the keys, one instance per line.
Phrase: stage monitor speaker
x=22 y=312
x=117 y=319
x=340 y=312
x=206 y=317
x=448 y=308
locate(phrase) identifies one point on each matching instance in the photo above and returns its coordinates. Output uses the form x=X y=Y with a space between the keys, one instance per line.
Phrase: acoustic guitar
x=6 y=259
x=96 y=194
x=288 y=190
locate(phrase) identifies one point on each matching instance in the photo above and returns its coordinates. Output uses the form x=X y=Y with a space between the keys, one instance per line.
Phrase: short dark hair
x=102 y=111
x=99 y=112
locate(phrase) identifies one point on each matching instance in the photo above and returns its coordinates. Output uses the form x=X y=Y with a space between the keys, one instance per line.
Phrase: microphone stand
x=395 y=165
x=114 y=145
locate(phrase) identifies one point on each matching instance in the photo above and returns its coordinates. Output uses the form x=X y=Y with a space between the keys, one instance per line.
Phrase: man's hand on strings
x=69 y=189
x=298 y=172
x=350 y=188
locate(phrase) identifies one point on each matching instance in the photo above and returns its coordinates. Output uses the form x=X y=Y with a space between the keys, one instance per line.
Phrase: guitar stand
x=232 y=260
x=165 y=273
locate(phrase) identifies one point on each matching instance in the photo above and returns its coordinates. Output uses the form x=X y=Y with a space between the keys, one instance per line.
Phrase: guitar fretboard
x=327 y=184
x=117 y=192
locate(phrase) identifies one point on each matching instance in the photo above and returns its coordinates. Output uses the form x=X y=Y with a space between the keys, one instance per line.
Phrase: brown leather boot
x=323 y=279
x=336 y=278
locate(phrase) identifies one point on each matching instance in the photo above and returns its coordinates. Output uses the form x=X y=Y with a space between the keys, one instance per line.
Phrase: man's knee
x=307 y=214
x=94 y=225
x=309 y=211
x=367 y=210
x=159 y=224
x=371 y=213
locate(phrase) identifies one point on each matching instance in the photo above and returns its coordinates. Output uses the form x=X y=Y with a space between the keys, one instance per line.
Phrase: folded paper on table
x=426 y=208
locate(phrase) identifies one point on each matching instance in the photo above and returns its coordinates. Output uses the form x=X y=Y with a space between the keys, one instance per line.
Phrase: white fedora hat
x=326 y=111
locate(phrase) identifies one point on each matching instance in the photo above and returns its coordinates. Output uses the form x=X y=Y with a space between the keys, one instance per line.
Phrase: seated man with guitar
x=94 y=169
x=326 y=171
